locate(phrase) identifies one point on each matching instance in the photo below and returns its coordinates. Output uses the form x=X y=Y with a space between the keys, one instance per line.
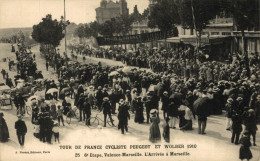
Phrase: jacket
x=20 y=127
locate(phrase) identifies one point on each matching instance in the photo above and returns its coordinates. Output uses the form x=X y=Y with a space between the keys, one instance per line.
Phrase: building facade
x=109 y=9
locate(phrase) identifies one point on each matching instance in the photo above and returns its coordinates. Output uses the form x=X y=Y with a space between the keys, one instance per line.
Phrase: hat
x=258 y=97
x=198 y=84
x=99 y=87
x=251 y=110
x=165 y=92
x=105 y=99
x=121 y=101
x=19 y=116
x=153 y=111
x=127 y=90
x=210 y=90
x=239 y=98
x=229 y=100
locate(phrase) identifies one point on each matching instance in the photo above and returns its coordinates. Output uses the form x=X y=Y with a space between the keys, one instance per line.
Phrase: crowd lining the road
x=187 y=89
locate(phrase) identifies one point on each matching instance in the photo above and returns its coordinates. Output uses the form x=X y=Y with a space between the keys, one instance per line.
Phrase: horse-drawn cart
x=5 y=97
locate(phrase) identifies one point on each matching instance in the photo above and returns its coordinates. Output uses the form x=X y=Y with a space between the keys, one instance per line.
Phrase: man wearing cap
x=123 y=116
x=99 y=97
x=79 y=105
x=250 y=123
x=86 y=111
x=106 y=107
x=21 y=130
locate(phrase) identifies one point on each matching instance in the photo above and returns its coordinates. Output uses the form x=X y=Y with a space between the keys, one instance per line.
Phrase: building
x=109 y=9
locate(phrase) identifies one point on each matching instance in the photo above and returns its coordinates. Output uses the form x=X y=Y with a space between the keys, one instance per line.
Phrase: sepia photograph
x=121 y=80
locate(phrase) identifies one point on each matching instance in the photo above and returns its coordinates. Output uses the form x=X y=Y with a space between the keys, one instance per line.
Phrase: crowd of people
x=186 y=90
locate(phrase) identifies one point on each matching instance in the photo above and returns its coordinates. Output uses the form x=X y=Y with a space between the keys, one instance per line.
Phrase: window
x=226 y=33
x=214 y=33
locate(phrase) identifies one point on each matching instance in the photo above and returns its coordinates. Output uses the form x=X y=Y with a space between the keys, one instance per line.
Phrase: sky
x=26 y=13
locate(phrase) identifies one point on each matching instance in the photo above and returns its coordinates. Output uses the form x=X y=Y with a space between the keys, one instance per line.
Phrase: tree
x=136 y=16
x=245 y=14
x=107 y=28
x=80 y=31
x=145 y=14
x=196 y=14
x=164 y=15
x=94 y=27
x=124 y=24
x=49 y=32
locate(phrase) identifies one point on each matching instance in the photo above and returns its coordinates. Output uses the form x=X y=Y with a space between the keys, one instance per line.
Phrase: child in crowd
x=36 y=129
x=60 y=116
x=166 y=130
x=56 y=133
x=244 y=151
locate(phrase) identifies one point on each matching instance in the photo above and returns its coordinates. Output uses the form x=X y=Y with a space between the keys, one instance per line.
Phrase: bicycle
x=73 y=113
x=94 y=121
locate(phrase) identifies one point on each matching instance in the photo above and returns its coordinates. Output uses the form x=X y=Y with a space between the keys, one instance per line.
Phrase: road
x=214 y=146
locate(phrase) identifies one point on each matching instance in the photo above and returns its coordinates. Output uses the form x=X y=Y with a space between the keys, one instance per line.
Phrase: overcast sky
x=26 y=13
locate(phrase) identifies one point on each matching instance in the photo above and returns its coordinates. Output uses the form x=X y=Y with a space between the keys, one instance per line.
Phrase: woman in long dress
x=155 y=134
x=4 y=133
x=138 y=106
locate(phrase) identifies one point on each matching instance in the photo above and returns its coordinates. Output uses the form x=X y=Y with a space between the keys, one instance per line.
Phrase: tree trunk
x=197 y=37
x=243 y=42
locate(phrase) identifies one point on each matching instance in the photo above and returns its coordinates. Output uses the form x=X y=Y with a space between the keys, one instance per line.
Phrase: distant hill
x=9 y=32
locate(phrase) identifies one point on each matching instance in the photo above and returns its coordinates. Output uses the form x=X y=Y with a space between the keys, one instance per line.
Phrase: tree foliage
x=49 y=31
x=203 y=12
x=164 y=15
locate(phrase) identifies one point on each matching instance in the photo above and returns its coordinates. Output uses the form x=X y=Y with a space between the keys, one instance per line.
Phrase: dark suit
x=21 y=130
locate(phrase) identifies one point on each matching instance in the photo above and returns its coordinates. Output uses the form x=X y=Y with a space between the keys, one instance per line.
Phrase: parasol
x=202 y=106
x=39 y=80
x=177 y=98
x=52 y=90
x=113 y=73
x=66 y=90
x=128 y=70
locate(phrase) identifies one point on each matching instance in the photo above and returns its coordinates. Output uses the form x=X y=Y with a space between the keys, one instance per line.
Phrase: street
x=215 y=145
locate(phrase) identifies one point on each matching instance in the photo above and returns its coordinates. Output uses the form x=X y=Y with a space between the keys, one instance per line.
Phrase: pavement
x=214 y=146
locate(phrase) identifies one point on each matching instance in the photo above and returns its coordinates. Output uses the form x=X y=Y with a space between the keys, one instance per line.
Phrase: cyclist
x=106 y=107
x=19 y=102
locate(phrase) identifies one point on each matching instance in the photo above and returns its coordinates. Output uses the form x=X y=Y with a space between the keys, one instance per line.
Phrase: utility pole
x=65 y=27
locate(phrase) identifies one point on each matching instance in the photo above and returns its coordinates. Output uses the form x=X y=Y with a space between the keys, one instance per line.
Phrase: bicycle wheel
x=29 y=110
x=93 y=122
x=109 y=122
x=77 y=114
x=68 y=119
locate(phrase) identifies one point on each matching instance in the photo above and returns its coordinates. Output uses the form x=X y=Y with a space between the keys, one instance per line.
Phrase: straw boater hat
x=153 y=112
x=106 y=99
x=251 y=111
x=229 y=100
x=239 y=98
x=165 y=93
x=121 y=101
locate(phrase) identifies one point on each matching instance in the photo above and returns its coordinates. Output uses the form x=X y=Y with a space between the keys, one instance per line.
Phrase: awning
x=205 y=40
